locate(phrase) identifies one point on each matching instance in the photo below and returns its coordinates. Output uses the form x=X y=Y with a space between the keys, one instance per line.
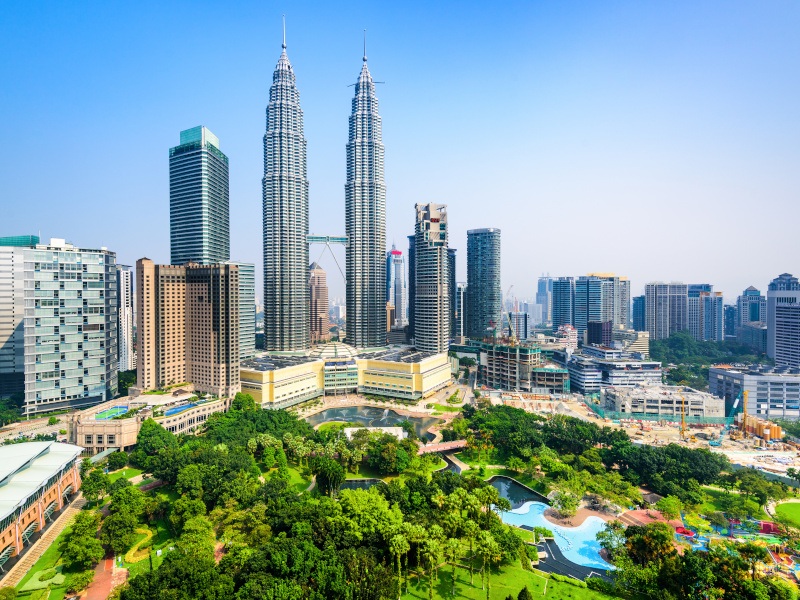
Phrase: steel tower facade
x=285 y=195
x=365 y=213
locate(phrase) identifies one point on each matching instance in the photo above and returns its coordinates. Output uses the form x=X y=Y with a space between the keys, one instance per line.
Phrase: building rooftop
x=26 y=467
x=404 y=355
x=333 y=350
x=270 y=362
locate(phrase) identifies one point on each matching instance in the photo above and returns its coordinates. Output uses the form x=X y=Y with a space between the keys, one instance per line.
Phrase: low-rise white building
x=662 y=400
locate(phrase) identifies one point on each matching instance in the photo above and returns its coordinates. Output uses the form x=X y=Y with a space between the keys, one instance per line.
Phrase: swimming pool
x=579 y=544
x=110 y=413
x=177 y=409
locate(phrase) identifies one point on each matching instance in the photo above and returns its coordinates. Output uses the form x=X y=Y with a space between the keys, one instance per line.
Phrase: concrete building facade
x=188 y=326
x=318 y=304
x=127 y=352
x=783 y=321
x=662 y=401
x=751 y=307
x=432 y=279
x=773 y=393
x=666 y=309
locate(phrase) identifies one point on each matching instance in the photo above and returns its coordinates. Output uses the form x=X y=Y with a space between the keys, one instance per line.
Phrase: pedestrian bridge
x=442 y=447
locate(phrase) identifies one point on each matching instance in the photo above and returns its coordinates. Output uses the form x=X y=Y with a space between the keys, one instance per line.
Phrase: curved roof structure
x=334 y=350
x=26 y=468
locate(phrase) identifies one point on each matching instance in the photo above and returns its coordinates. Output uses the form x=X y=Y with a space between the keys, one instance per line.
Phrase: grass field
x=296 y=479
x=508 y=579
x=445 y=408
x=127 y=473
x=789 y=511
x=48 y=560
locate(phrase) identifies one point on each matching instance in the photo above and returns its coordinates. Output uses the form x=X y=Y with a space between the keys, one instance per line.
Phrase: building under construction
x=514 y=367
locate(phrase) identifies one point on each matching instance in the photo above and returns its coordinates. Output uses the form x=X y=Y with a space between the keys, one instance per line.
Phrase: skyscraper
x=127 y=353
x=666 y=307
x=592 y=304
x=365 y=213
x=412 y=284
x=639 y=319
x=12 y=312
x=432 y=314
x=461 y=305
x=751 y=307
x=783 y=321
x=396 y=285
x=563 y=302
x=188 y=326
x=695 y=304
x=484 y=294
x=285 y=195
x=318 y=298
x=247 y=309
x=70 y=326
x=451 y=286
x=199 y=222
x=544 y=291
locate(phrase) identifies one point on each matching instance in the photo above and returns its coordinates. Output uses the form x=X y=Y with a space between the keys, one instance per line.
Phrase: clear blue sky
x=659 y=140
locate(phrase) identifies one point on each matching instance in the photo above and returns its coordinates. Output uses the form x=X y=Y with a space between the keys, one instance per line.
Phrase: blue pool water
x=175 y=410
x=578 y=544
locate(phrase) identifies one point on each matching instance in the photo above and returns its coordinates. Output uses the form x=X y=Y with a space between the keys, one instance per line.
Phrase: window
x=99 y=438
x=88 y=440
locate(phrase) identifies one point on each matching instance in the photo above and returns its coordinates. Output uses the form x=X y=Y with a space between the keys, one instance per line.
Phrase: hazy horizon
x=647 y=140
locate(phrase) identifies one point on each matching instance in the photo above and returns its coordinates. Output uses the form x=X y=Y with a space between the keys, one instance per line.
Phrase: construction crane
x=683 y=418
x=507 y=315
x=728 y=423
x=744 y=415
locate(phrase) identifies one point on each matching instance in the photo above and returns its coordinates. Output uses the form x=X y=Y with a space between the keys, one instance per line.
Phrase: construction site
x=746 y=440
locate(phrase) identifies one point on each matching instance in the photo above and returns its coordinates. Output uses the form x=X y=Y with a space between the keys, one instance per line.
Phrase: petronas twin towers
x=285 y=209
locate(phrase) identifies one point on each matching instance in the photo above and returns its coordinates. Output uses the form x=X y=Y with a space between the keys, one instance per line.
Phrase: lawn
x=127 y=473
x=296 y=479
x=445 y=408
x=508 y=579
x=475 y=459
x=48 y=560
x=789 y=511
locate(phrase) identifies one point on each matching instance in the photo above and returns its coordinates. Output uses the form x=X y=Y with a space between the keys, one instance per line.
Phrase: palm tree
x=416 y=534
x=471 y=530
x=431 y=552
x=451 y=548
x=489 y=550
x=398 y=546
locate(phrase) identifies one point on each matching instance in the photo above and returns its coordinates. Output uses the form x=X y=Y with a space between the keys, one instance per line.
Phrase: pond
x=370 y=416
x=359 y=484
x=578 y=544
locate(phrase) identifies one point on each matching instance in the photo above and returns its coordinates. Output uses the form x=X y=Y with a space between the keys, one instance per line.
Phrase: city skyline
x=718 y=141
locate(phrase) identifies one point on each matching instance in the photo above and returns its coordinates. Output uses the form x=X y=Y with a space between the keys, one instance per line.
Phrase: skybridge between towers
x=327 y=240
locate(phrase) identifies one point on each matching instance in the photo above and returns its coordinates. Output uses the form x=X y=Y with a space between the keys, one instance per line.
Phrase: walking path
x=102 y=583
x=38 y=548
x=770 y=507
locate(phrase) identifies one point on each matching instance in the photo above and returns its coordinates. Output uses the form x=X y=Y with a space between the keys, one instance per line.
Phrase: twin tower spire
x=285 y=213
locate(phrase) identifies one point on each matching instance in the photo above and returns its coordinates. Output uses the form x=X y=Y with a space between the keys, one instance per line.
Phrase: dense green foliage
x=580 y=457
x=648 y=565
x=80 y=547
x=126 y=380
x=693 y=358
x=279 y=544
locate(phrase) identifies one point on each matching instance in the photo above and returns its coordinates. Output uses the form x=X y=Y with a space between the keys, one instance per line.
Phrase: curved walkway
x=770 y=507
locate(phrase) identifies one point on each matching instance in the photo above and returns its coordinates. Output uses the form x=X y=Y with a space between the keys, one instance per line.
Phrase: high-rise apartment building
x=127 y=352
x=518 y=325
x=451 y=286
x=639 y=312
x=694 y=308
x=563 y=302
x=285 y=205
x=247 y=309
x=484 y=293
x=544 y=292
x=705 y=313
x=461 y=305
x=751 y=307
x=412 y=285
x=70 y=325
x=731 y=312
x=666 y=307
x=318 y=304
x=396 y=285
x=199 y=222
x=783 y=321
x=12 y=312
x=432 y=278
x=365 y=213
x=188 y=326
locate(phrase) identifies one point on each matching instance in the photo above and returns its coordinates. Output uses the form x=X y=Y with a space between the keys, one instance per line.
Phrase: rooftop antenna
x=284 y=33
x=365 y=45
